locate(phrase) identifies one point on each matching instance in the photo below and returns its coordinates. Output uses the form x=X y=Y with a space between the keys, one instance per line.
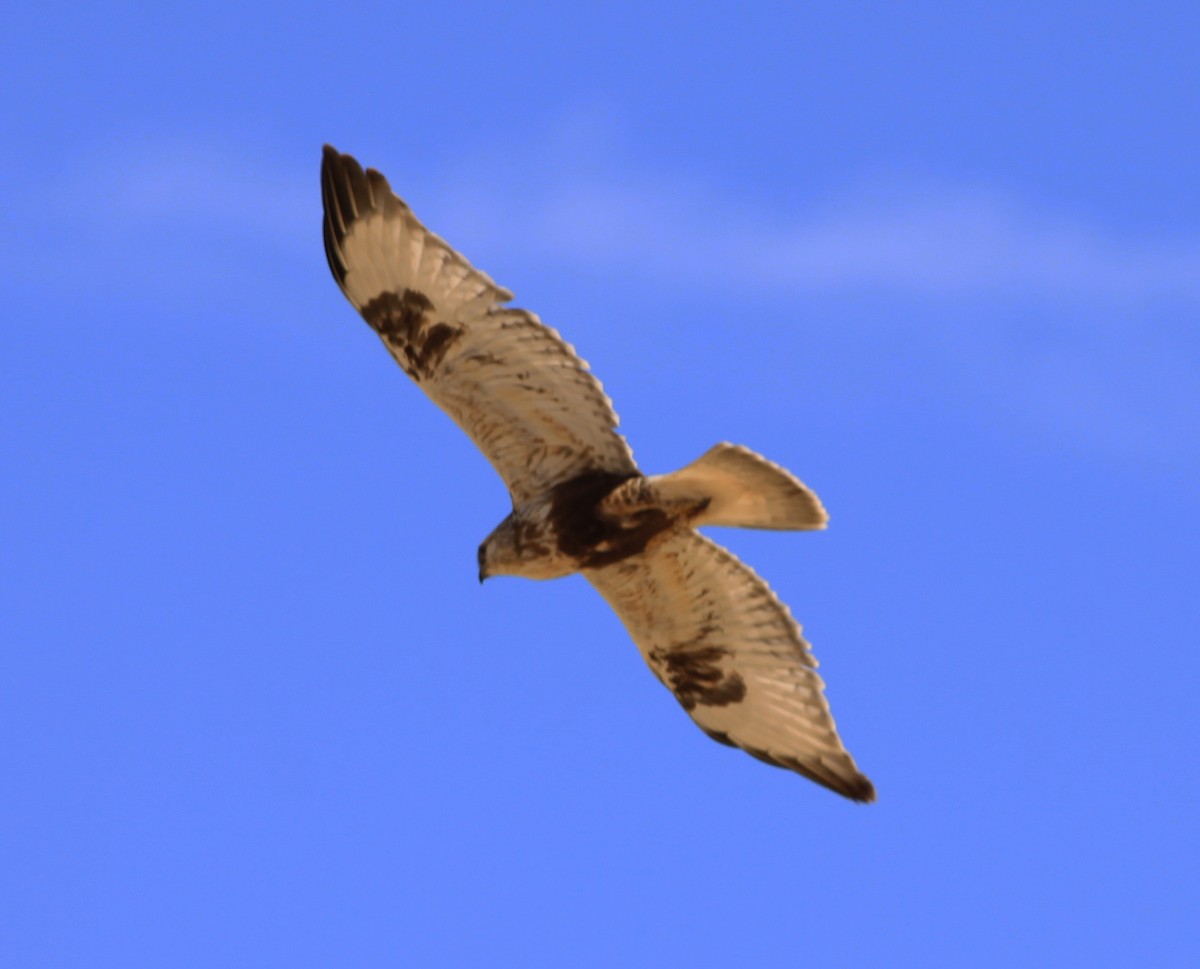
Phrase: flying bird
x=708 y=627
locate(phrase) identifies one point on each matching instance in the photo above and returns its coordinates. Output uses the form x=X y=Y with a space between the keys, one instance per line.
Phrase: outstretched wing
x=520 y=392
x=715 y=634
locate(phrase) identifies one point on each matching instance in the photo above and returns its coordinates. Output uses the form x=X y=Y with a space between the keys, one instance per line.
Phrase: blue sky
x=941 y=260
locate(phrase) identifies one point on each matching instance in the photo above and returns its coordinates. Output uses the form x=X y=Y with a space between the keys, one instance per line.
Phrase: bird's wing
x=719 y=639
x=513 y=384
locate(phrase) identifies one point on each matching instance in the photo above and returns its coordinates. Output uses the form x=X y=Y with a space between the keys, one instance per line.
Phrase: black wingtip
x=343 y=202
x=843 y=779
x=857 y=788
x=861 y=791
x=350 y=193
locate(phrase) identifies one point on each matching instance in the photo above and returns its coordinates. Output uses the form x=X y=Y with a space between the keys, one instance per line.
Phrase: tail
x=743 y=490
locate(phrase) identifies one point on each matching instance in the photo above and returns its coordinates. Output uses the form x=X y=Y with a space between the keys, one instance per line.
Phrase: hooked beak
x=482 y=574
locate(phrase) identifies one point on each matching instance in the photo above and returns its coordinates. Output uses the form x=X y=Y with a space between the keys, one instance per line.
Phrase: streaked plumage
x=709 y=628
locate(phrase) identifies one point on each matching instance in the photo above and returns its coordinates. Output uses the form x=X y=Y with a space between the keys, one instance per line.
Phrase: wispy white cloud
x=1080 y=333
x=947 y=240
x=577 y=196
x=958 y=241
x=571 y=201
x=148 y=217
x=182 y=212
x=187 y=182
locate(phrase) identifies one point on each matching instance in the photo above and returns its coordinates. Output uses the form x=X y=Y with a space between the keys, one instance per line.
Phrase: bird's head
x=521 y=545
x=499 y=553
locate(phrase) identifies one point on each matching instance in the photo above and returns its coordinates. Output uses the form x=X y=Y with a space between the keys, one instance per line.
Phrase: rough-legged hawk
x=709 y=628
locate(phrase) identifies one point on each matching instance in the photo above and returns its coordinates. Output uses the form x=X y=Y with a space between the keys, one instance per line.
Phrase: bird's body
x=709 y=628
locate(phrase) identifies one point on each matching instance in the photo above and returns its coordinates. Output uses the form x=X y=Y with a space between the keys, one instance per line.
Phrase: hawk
x=708 y=627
